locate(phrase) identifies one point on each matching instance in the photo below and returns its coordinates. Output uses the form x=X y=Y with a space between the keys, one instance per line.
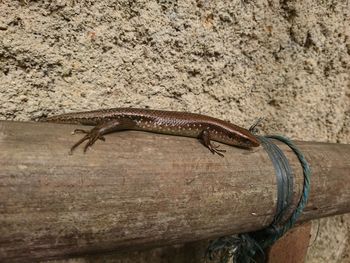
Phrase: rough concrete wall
x=287 y=60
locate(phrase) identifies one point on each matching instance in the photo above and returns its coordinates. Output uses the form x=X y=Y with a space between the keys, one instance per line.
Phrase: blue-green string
x=244 y=247
x=306 y=188
x=284 y=176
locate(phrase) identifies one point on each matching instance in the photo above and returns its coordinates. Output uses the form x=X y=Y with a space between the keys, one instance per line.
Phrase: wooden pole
x=292 y=247
x=139 y=190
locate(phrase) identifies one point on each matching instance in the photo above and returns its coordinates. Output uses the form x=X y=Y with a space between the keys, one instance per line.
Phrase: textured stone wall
x=286 y=61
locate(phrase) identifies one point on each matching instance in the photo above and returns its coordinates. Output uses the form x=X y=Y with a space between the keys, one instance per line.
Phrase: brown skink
x=159 y=121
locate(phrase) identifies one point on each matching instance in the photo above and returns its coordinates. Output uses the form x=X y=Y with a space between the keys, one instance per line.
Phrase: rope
x=245 y=247
x=284 y=176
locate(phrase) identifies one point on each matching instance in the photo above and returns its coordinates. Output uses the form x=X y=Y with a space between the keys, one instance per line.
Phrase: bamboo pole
x=139 y=190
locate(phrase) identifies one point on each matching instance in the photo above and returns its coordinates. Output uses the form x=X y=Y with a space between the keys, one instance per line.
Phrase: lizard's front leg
x=205 y=136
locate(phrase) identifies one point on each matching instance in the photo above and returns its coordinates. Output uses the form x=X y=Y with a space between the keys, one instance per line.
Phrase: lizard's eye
x=247 y=143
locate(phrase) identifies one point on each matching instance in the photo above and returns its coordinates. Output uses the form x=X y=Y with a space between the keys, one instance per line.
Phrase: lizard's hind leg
x=97 y=132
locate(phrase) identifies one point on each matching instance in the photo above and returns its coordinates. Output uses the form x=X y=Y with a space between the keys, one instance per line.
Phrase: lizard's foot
x=215 y=149
x=91 y=136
